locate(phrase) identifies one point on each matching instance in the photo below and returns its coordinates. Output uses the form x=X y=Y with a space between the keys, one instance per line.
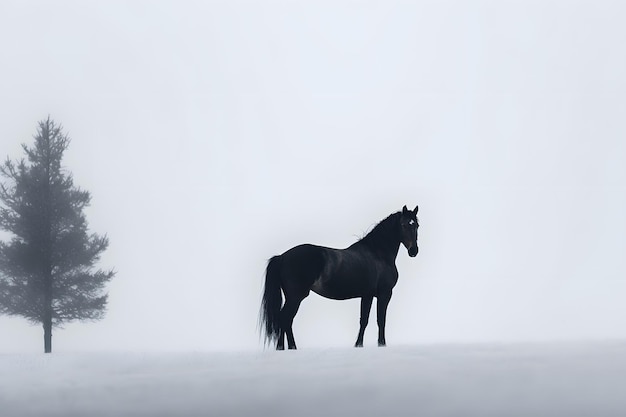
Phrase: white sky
x=214 y=135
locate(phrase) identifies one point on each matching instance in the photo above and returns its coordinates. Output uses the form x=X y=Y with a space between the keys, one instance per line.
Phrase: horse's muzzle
x=413 y=251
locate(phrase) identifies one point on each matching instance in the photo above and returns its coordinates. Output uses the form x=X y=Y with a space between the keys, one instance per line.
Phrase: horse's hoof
x=358 y=345
x=382 y=344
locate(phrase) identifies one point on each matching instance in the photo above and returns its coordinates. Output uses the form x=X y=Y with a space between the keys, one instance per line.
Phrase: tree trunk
x=47 y=335
x=47 y=315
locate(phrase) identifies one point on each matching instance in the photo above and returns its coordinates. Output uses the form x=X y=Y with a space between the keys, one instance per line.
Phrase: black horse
x=366 y=269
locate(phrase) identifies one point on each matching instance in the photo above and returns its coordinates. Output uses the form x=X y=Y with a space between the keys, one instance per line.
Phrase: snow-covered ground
x=576 y=379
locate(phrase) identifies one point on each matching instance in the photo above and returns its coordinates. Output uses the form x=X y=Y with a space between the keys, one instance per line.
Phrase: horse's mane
x=384 y=231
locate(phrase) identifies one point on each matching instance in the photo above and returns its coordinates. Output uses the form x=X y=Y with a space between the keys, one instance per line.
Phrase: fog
x=214 y=135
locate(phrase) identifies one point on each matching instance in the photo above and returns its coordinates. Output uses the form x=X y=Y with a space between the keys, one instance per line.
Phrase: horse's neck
x=385 y=243
x=388 y=251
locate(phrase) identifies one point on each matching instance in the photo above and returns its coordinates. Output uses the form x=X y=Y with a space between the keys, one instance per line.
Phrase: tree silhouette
x=47 y=268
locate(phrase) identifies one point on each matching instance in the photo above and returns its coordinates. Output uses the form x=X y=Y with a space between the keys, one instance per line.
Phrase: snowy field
x=582 y=379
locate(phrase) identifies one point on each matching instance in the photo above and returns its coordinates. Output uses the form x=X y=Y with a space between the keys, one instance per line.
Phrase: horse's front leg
x=381 y=310
x=366 y=305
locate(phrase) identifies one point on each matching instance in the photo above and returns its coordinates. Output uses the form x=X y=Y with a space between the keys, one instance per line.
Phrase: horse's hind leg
x=291 y=341
x=366 y=305
x=280 y=343
x=286 y=317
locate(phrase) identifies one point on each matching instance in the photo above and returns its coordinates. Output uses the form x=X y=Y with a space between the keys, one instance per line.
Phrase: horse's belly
x=339 y=289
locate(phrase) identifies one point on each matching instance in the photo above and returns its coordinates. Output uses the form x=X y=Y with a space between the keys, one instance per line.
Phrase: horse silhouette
x=366 y=269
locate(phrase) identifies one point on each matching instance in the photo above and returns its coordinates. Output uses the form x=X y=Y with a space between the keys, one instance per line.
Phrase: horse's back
x=332 y=273
x=300 y=267
x=304 y=255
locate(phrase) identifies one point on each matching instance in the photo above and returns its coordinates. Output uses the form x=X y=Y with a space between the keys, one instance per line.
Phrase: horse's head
x=409 y=225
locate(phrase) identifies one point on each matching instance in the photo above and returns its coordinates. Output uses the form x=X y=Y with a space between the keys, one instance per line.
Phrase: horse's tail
x=269 y=317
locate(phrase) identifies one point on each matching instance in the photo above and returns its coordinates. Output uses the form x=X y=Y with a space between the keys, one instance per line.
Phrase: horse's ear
x=405 y=210
x=415 y=211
